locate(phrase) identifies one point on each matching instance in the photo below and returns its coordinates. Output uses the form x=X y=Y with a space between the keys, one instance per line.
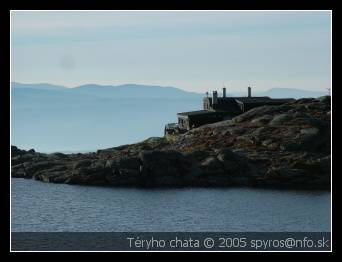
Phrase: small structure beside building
x=217 y=109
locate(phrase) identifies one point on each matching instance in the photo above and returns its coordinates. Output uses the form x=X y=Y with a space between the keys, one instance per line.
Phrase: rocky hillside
x=285 y=146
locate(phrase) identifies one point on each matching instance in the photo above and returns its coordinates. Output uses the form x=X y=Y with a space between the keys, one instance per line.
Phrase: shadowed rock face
x=284 y=146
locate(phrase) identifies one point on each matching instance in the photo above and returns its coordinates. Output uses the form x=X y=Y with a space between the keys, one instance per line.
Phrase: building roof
x=205 y=112
x=262 y=100
x=198 y=112
x=171 y=125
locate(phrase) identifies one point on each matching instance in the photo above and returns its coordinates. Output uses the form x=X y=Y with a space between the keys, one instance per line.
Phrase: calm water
x=38 y=206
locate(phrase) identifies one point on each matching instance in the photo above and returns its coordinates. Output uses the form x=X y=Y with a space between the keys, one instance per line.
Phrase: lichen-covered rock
x=163 y=168
x=281 y=119
x=262 y=120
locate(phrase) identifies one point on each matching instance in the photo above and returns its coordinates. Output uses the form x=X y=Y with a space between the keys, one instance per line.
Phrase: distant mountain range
x=286 y=93
x=55 y=118
x=108 y=91
x=291 y=93
x=147 y=91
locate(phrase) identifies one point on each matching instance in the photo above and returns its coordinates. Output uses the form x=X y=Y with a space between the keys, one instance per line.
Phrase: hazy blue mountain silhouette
x=54 y=118
x=109 y=91
x=291 y=93
x=40 y=86
x=286 y=93
x=134 y=91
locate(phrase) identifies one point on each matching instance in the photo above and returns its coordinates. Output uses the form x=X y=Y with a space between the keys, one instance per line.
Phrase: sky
x=192 y=50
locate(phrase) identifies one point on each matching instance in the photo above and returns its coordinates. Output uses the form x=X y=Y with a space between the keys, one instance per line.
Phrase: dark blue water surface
x=44 y=207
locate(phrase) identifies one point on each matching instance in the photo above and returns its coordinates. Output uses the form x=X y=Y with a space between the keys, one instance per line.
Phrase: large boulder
x=123 y=171
x=280 y=119
x=163 y=168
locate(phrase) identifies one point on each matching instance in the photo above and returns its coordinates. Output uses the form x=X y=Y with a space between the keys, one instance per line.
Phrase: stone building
x=217 y=109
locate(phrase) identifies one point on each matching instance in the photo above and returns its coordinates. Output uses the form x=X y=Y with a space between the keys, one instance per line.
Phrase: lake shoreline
x=170 y=187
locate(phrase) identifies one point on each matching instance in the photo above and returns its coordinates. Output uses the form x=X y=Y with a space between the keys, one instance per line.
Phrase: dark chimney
x=214 y=97
x=249 y=91
x=224 y=92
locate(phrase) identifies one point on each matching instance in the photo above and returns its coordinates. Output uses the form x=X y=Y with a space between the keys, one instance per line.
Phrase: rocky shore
x=285 y=146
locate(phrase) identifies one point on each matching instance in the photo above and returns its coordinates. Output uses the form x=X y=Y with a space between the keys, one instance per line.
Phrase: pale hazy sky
x=196 y=51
